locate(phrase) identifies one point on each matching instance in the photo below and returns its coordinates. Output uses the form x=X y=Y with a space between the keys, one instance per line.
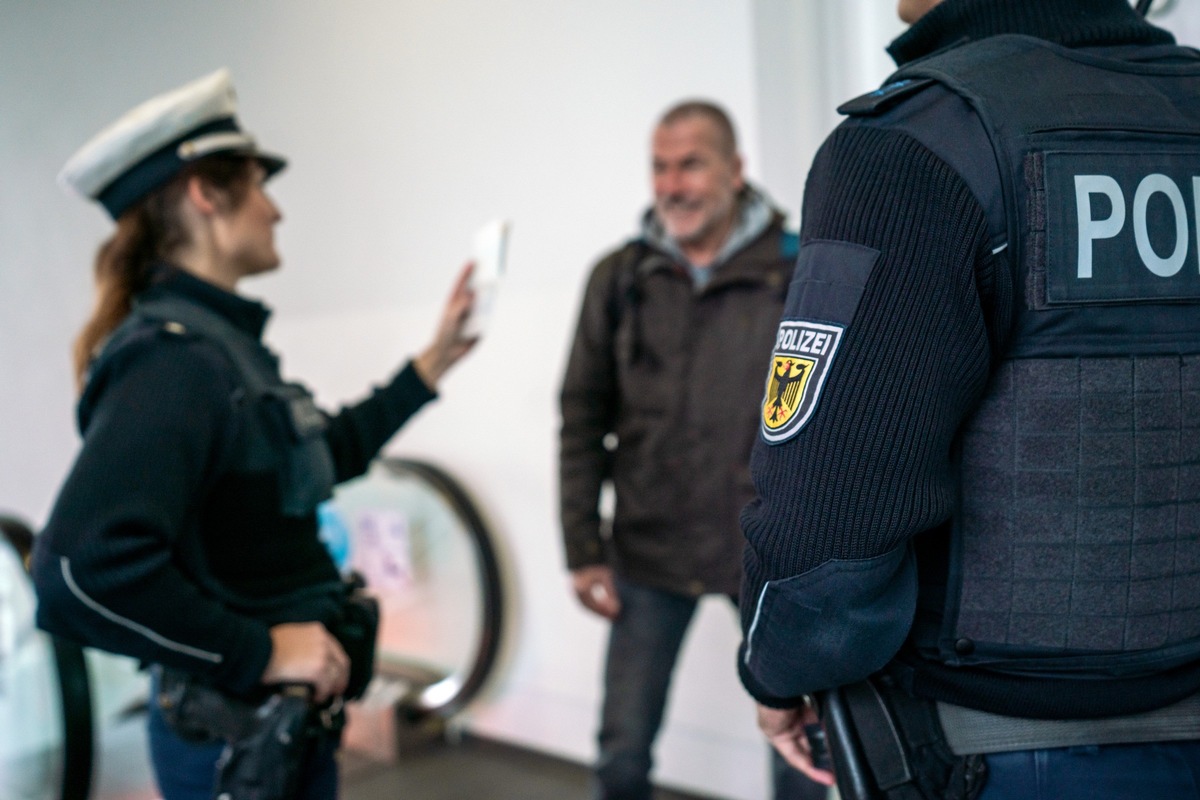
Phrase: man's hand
x=784 y=729
x=597 y=590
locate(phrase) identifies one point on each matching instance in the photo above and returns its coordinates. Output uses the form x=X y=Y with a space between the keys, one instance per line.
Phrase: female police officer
x=185 y=534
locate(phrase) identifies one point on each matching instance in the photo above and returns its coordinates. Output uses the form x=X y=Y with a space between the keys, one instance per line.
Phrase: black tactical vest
x=1076 y=547
x=283 y=431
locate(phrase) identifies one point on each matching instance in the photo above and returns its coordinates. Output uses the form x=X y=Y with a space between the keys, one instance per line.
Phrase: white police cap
x=149 y=145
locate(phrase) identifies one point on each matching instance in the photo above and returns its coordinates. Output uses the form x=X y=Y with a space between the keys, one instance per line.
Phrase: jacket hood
x=755 y=214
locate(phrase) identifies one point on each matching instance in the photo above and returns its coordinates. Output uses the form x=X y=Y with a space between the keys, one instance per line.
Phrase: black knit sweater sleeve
x=358 y=432
x=829 y=588
x=156 y=426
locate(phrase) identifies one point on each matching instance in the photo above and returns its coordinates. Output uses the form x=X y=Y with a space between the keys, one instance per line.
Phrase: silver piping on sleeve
x=204 y=655
x=753 y=625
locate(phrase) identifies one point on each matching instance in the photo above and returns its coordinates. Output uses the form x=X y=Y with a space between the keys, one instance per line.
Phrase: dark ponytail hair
x=149 y=231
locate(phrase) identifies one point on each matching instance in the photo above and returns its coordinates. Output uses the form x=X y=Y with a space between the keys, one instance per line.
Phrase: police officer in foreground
x=977 y=545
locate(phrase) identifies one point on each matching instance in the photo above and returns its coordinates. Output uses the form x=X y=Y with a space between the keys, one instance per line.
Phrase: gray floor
x=472 y=768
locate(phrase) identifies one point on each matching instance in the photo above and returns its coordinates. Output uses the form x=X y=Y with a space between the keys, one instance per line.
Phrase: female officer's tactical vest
x=1076 y=546
x=283 y=430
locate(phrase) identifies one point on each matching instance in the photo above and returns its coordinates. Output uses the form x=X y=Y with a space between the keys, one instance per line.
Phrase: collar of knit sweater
x=1073 y=23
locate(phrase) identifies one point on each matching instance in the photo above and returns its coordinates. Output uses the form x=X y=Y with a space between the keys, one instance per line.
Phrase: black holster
x=266 y=743
x=356 y=630
x=266 y=763
x=888 y=745
x=268 y=737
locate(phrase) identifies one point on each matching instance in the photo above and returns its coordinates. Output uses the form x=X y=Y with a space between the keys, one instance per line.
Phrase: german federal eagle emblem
x=799 y=366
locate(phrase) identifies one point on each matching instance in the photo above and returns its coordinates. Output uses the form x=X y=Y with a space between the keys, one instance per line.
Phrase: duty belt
x=969 y=731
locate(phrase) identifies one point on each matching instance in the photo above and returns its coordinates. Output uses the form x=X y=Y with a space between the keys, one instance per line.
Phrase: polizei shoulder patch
x=799 y=365
x=828 y=283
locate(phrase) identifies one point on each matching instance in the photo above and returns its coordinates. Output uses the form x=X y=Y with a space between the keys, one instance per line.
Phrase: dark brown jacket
x=674 y=378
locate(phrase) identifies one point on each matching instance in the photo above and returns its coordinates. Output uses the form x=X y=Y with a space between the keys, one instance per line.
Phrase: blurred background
x=408 y=125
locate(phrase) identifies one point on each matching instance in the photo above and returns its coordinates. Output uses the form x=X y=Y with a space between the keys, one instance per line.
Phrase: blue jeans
x=186 y=770
x=1155 y=771
x=643 y=646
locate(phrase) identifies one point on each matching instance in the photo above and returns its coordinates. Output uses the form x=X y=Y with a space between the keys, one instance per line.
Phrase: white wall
x=810 y=58
x=409 y=124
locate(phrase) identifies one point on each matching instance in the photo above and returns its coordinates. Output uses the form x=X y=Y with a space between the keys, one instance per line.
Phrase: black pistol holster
x=266 y=743
x=266 y=762
x=356 y=630
x=269 y=736
x=888 y=745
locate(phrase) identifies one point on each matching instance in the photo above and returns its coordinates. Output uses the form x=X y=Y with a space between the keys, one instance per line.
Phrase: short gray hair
x=726 y=137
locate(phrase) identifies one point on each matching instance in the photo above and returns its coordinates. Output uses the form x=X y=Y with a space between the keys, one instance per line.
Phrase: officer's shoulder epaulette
x=883 y=98
x=132 y=336
x=145 y=329
x=173 y=328
x=137 y=331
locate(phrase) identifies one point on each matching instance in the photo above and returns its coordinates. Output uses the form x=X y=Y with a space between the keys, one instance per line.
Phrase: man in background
x=660 y=399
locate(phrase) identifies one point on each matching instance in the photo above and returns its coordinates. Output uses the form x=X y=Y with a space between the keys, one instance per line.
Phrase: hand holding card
x=488 y=254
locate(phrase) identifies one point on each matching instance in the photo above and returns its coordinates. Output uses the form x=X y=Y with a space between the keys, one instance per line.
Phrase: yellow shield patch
x=799 y=366
x=785 y=389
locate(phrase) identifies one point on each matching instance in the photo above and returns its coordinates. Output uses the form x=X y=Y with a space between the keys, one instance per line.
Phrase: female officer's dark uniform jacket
x=187 y=525
x=991 y=481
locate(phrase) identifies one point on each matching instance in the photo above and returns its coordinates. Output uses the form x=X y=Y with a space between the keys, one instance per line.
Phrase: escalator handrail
x=450 y=695
x=74 y=687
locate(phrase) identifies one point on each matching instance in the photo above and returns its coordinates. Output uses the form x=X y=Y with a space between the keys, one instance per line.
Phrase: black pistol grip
x=850 y=768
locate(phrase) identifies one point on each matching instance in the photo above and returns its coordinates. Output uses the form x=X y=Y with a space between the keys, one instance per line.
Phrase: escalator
x=426 y=553
x=45 y=696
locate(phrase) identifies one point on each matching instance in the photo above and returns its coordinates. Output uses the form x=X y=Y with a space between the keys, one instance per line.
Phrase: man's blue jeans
x=1155 y=771
x=643 y=646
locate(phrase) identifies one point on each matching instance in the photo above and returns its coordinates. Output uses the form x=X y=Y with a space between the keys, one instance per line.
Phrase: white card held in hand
x=491 y=244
